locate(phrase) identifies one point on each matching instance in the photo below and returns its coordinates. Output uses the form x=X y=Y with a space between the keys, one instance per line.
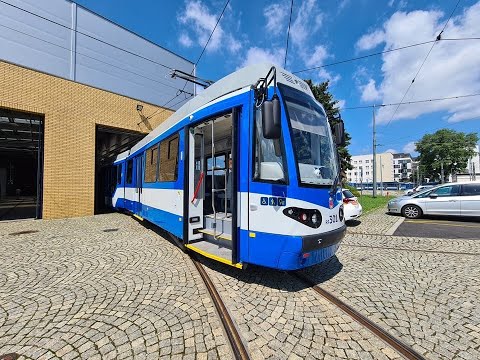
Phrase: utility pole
x=441 y=173
x=374 y=157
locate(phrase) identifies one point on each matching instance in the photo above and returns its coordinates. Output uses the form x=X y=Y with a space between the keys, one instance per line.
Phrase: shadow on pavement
x=352 y=223
x=272 y=278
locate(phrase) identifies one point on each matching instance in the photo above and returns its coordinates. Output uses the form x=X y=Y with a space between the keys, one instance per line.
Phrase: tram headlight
x=308 y=217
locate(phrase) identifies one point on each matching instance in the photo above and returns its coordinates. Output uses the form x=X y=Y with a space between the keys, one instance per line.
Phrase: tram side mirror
x=271 y=118
x=339 y=133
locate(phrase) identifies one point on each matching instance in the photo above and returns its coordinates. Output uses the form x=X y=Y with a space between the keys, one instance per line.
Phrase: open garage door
x=21 y=165
x=109 y=143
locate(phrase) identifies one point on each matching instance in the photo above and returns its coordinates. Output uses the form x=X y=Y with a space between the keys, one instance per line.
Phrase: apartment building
x=362 y=171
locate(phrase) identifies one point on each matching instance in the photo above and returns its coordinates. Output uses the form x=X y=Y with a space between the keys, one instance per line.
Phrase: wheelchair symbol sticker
x=263 y=201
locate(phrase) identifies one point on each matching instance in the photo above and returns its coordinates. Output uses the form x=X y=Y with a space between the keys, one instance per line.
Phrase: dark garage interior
x=21 y=165
x=109 y=143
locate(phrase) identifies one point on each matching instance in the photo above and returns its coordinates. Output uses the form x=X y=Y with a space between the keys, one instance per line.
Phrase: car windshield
x=311 y=137
x=348 y=194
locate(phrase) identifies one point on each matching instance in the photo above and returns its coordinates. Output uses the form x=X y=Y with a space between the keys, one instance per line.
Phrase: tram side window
x=129 y=171
x=169 y=159
x=269 y=163
x=119 y=174
x=151 y=160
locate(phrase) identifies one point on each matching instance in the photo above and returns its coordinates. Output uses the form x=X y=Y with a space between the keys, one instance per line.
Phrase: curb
x=395 y=226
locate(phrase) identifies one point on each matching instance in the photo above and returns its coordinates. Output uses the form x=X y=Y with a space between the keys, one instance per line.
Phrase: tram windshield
x=311 y=137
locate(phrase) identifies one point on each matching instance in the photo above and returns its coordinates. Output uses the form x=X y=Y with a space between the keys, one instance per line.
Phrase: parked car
x=351 y=207
x=417 y=189
x=453 y=199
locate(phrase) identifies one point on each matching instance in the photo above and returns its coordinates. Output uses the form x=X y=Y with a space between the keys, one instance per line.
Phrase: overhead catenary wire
x=438 y=38
x=411 y=102
x=288 y=35
x=211 y=34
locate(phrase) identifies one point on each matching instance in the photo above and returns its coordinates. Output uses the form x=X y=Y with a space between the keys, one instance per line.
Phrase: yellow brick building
x=71 y=113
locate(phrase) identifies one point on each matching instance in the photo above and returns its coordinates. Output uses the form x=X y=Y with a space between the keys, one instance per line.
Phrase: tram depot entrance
x=21 y=165
x=211 y=185
x=109 y=142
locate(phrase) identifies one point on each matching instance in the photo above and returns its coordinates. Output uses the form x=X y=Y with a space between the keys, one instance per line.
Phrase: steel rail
x=417 y=250
x=238 y=347
x=388 y=338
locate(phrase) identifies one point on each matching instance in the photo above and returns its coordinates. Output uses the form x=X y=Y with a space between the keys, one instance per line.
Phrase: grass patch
x=370 y=203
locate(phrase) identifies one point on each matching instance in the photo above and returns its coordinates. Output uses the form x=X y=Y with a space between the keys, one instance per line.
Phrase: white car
x=418 y=189
x=452 y=199
x=351 y=207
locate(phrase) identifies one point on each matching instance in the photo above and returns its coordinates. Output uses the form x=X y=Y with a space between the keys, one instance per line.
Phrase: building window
x=169 y=159
x=367 y=161
x=151 y=164
x=129 y=171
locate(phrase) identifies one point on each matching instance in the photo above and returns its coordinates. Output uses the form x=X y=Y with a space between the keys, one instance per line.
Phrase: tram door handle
x=253 y=207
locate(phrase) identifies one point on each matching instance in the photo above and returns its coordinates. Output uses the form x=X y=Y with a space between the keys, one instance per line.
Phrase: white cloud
x=307 y=23
x=449 y=70
x=369 y=91
x=409 y=148
x=393 y=151
x=276 y=17
x=185 y=40
x=197 y=18
x=320 y=54
x=371 y=40
x=257 y=55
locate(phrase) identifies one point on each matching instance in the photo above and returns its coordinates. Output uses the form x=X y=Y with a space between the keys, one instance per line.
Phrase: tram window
x=269 y=162
x=151 y=160
x=169 y=159
x=129 y=171
x=219 y=164
x=119 y=174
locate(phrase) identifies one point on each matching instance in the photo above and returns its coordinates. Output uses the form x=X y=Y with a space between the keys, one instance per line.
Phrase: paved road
x=108 y=287
x=444 y=228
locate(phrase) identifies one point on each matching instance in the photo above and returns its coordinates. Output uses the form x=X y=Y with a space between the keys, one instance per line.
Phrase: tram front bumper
x=320 y=241
x=314 y=250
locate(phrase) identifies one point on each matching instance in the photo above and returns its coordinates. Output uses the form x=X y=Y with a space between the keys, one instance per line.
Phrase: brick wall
x=71 y=111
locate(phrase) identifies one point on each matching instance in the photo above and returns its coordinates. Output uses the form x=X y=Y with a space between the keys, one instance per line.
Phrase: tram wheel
x=411 y=211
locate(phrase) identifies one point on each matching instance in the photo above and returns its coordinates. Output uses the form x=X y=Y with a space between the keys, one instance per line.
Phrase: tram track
x=239 y=348
x=406 y=351
x=414 y=250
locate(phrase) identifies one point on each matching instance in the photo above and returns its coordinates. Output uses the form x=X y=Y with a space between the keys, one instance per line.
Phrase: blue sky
x=327 y=31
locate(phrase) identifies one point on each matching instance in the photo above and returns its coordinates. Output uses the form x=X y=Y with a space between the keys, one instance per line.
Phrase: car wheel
x=411 y=211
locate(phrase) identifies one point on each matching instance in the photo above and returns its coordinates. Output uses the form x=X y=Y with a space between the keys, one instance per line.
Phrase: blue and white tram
x=244 y=173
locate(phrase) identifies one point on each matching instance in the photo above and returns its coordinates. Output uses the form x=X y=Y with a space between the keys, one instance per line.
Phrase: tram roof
x=237 y=80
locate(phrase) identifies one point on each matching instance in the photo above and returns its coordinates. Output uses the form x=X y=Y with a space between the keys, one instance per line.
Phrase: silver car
x=453 y=199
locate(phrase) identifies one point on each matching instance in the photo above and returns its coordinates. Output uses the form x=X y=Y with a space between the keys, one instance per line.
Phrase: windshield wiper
x=335 y=184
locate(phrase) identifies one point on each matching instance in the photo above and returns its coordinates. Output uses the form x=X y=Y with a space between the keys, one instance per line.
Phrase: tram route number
x=332 y=219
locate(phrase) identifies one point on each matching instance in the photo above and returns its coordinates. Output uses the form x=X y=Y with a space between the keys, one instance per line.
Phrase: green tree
x=324 y=97
x=447 y=148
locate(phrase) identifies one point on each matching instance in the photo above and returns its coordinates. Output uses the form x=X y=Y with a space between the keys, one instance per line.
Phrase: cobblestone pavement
x=424 y=291
x=281 y=319
x=374 y=222
x=72 y=290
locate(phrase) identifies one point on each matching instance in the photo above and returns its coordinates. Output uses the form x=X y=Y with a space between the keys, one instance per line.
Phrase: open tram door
x=211 y=179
